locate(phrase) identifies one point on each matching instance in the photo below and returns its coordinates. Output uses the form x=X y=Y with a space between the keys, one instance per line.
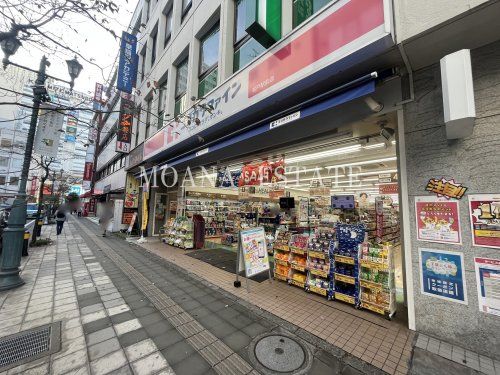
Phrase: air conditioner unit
x=458 y=94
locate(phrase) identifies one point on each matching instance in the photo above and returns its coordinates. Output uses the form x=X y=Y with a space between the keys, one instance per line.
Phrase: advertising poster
x=442 y=275
x=131 y=192
x=438 y=220
x=254 y=251
x=488 y=284
x=71 y=126
x=47 y=136
x=485 y=220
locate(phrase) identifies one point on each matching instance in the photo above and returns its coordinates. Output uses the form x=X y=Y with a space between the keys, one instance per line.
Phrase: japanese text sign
x=127 y=68
x=446 y=188
x=125 y=122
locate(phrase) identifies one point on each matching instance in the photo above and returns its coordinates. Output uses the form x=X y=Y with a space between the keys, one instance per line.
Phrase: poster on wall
x=442 y=275
x=438 y=220
x=488 y=284
x=254 y=251
x=131 y=191
x=484 y=212
x=128 y=214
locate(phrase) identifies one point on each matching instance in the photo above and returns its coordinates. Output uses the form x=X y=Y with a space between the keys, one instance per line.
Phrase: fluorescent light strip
x=373 y=172
x=366 y=162
x=376 y=145
x=318 y=155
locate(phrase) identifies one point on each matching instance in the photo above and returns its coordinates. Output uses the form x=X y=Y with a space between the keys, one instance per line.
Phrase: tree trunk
x=40 y=202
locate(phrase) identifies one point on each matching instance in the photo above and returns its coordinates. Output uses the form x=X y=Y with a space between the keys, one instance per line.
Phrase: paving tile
x=93 y=316
x=92 y=308
x=69 y=362
x=177 y=352
x=127 y=326
x=168 y=338
x=108 y=363
x=101 y=335
x=118 y=309
x=150 y=364
x=103 y=348
x=70 y=346
x=133 y=337
x=194 y=365
x=140 y=349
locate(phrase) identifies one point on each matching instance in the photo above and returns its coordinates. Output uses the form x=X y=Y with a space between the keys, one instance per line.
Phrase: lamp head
x=9 y=46
x=74 y=69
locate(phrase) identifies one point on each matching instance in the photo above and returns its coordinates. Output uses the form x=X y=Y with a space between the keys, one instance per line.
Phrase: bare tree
x=44 y=164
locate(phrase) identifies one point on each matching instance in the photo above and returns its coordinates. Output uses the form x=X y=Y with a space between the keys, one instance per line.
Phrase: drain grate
x=29 y=345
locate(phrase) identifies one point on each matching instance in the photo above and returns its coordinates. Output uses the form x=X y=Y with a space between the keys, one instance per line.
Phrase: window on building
x=303 y=9
x=186 y=5
x=181 y=87
x=4 y=162
x=6 y=142
x=154 y=37
x=137 y=125
x=168 y=27
x=149 y=104
x=143 y=63
x=245 y=47
x=162 y=103
x=3 y=180
x=147 y=9
x=14 y=181
x=209 y=57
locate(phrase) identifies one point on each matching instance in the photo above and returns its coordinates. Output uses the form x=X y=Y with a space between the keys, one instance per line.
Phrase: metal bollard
x=26 y=243
x=39 y=231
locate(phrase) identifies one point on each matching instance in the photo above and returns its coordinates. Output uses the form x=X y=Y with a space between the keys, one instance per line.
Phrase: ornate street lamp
x=74 y=69
x=9 y=45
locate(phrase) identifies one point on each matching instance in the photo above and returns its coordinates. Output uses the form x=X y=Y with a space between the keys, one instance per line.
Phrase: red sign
x=275 y=194
x=33 y=187
x=92 y=204
x=438 y=220
x=351 y=21
x=99 y=88
x=388 y=189
x=485 y=219
x=262 y=173
x=125 y=123
x=87 y=172
x=155 y=143
x=128 y=215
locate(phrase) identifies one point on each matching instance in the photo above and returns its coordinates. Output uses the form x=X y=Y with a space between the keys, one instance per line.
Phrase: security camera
x=373 y=104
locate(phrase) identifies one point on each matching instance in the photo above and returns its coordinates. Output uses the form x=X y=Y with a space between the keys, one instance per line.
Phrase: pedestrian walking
x=106 y=218
x=60 y=219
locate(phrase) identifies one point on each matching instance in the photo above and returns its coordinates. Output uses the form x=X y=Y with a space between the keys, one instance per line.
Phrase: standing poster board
x=252 y=254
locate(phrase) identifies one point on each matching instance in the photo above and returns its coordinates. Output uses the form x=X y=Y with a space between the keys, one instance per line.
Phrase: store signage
x=484 y=211
x=88 y=171
x=388 y=189
x=227 y=178
x=388 y=178
x=125 y=123
x=132 y=186
x=145 y=211
x=127 y=67
x=128 y=215
x=284 y=120
x=106 y=189
x=253 y=257
x=202 y=152
x=340 y=32
x=50 y=123
x=446 y=188
x=265 y=172
x=442 y=275
x=487 y=281
x=98 y=90
x=438 y=220
x=263 y=21
x=71 y=126
x=276 y=194
x=135 y=156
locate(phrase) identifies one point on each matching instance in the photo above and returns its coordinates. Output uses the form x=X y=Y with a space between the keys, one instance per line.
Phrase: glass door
x=160 y=212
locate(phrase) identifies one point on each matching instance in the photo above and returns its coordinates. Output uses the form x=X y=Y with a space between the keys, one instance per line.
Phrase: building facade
x=344 y=84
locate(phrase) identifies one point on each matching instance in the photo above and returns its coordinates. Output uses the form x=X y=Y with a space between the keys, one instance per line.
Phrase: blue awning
x=269 y=127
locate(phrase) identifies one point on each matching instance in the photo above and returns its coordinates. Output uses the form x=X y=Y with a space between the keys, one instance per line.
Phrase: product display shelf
x=281 y=252
x=298 y=259
x=180 y=233
x=376 y=278
x=345 y=264
x=318 y=263
x=213 y=212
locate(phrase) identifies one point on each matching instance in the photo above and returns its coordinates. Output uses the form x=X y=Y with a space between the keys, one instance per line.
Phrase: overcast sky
x=91 y=41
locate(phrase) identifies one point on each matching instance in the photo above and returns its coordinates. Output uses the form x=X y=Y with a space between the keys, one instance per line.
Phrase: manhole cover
x=29 y=345
x=280 y=353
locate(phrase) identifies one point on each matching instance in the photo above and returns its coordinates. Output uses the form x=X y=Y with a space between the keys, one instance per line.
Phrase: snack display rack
x=376 y=279
x=345 y=280
x=214 y=212
x=319 y=264
x=179 y=233
x=298 y=259
x=281 y=250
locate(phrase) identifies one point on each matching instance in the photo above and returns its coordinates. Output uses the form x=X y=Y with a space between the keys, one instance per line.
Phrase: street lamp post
x=13 y=235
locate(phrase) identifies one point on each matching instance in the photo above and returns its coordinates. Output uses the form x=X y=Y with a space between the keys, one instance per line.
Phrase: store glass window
x=181 y=87
x=168 y=27
x=245 y=47
x=2 y=180
x=303 y=9
x=209 y=57
x=149 y=104
x=162 y=103
x=14 y=181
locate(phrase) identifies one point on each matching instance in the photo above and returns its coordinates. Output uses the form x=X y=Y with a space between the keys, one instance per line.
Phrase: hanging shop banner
x=71 y=126
x=254 y=251
x=127 y=67
x=131 y=192
x=438 y=220
x=144 y=221
x=87 y=172
x=442 y=275
x=388 y=189
x=50 y=123
x=265 y=172
x=132 y=222
x=344 y=33
x=227 y=178
x=488 y=284
x=128 y=215
x=446 y=188
x=125 y=123
x=484 y=210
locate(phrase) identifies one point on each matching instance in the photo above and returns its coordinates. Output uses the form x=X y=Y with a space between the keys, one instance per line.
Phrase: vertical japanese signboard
x=127 y=67
x=71 y=126
x=125 y=122
x=442 y=275
x=50 y=123
x=485 y=220
x=131 y=192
